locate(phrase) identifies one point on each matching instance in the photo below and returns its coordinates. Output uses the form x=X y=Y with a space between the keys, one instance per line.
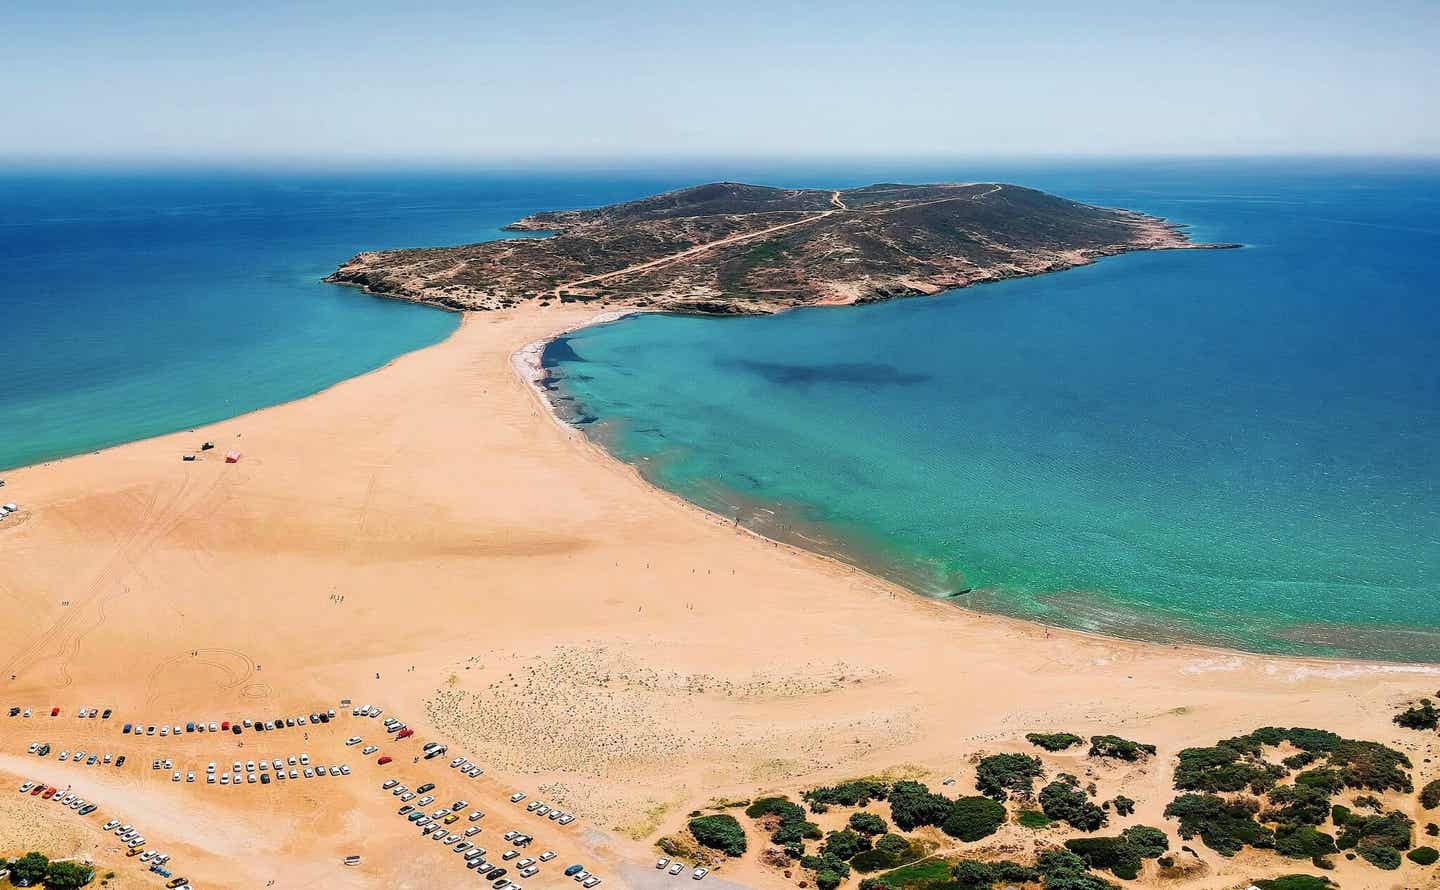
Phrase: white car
x=278 y=764
x=175 y=777
x=353 y=740
x=551 y=854
x=529 y=871
x=209 y=778
x=456 y=762
x=304 y=759
x=476 y=816
x=34 y=746
x=334 y=770
x=224 y=778
x=64 y=756
x=475 y=772
x=164 y=730
x=214 y=727
x=408 y=796
x=517 y=797
x=676 y=868
x=388 y=784
x=566 y=819
x=525 y=863
x=426 y=801
x=591 y=881
x=251 y=778
x=369 y=749
x=294 y=774
x=699 y=873
x=190 y=776
x=110 y=826
x=472 y=831
x=344 y=769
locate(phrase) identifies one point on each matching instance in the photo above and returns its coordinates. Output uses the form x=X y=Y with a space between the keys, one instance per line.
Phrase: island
x=729 y=248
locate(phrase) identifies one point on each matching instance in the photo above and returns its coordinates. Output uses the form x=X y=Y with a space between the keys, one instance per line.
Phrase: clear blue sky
x=554 y=79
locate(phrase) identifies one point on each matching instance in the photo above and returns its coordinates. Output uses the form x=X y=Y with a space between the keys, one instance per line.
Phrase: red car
x=404 y=734
x=49 y=793
x=54 y=712
x=384 y=760
x=225 y=727
x=36 y=790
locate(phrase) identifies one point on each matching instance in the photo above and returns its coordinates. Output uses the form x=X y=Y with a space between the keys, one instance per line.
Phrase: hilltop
x=730 y=248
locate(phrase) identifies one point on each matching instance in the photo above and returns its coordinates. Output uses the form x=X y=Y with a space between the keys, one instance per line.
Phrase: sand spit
x=429 y=539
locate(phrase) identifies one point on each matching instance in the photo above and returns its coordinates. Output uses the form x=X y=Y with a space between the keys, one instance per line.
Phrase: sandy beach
x=430 y=539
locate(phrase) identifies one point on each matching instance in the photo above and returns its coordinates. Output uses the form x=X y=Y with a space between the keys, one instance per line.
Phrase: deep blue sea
x=1232 y=447
x=1235 y=447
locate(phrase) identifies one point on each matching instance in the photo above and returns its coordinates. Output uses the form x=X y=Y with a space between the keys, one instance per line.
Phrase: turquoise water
x=1229 y=447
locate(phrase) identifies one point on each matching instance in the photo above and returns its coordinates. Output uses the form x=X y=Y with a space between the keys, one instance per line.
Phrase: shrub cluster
x=1430 y=795
x=1423 y=855
x=793 y=830
x=1053 y=741
x=854 y=793
x=1421 y=716
x=1294 y=882
x=1225 y=826
x=1123 y=855
x=1063 y=801
x=973 y=875
x=1116 y=747
x=1378 y=839
x=890 y=851
x=1000 y=774
x=719 y=832
x=973 y=818
x=868 y=824
x=1063 y=870
x=36 y=868
x=1124 y=806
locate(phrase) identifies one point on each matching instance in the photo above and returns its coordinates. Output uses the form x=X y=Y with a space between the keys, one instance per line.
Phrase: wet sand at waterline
x=521 y=595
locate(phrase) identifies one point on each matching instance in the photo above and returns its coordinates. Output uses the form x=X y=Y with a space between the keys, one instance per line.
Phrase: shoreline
x=527 y=364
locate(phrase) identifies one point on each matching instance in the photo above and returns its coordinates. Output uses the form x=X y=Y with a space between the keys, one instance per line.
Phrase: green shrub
x=890 y=851
x=1390 y=830
x=776 y=806
x=1123 y=805
x=1062 y=800
x=972 y=875
x=719 y=832
x=973 y=818
x=912 y=805
x=1294 y=882
x=1303 y=842
x=1053 y=741
x=1430 y=795
x=67 y=875
x=999 y=774
x=868 y=823
x=1123 y=855
x=1298 y=805
x=1340 y=815
x=843 y=845
x=1299 y=761
x=29 y=868
x=1423 y=855
x=1116 y=747
x=855 y=793
x=1063 y=870
x=1380 y=855
x=791 y=832
x=1372 y=766
x=1220 y=768
x=1224 y=826
x=1421 y=716
x=1033 y=819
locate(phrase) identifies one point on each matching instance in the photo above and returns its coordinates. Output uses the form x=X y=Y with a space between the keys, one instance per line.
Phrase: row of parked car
x=50 y=792
x=232 y=726
x=158 y=862
x=677 y=866
x=540 y=808
x=91 y=713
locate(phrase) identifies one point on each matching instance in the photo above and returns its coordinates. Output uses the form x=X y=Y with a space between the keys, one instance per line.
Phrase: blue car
x=574 y=870
x=127 y=728
x=190 y=727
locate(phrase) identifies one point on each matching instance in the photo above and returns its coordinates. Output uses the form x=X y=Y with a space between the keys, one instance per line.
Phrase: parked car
x=428 y=786
x=676 y=868
x=547 y=855
x=384 y=760
x=699 y=873
x=517 y=797
x=120 y=761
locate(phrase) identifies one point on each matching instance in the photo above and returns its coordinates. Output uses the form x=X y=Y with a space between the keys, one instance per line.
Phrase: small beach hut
x=232 y=457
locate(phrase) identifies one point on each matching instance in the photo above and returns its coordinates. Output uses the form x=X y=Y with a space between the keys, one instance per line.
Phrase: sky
x=462 y=82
